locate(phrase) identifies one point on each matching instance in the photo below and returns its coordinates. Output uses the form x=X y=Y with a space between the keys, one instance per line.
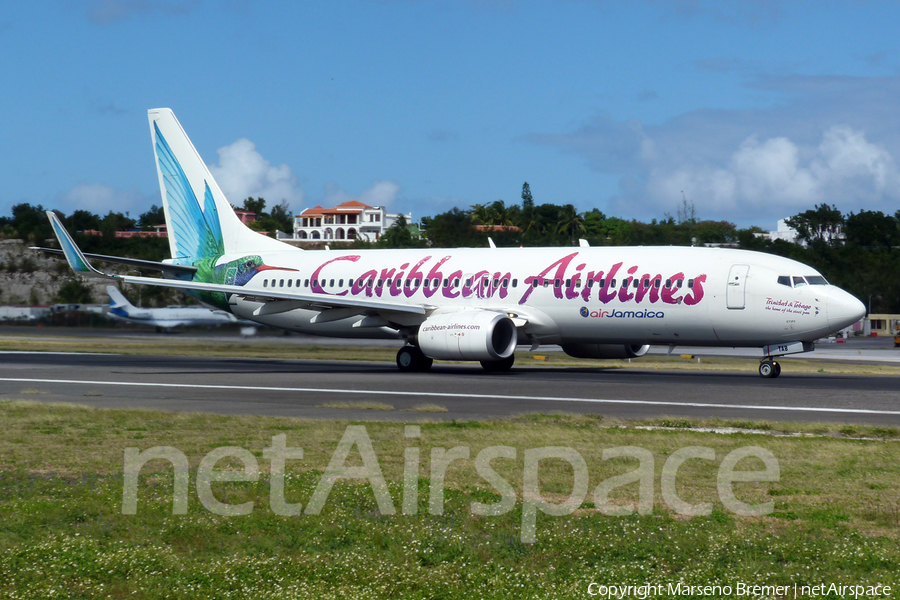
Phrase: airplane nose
x=843 y=309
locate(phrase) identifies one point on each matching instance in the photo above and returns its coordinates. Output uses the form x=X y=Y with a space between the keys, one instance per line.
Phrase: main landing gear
x=499 y=366
x=768 y=368
x=411 y=359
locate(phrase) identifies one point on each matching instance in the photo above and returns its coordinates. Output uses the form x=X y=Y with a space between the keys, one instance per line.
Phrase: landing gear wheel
x=411 y=359
x=498 y=366
x=769 y=369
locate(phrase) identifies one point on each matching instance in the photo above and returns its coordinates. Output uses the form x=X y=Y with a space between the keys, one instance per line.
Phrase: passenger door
x=737 y=284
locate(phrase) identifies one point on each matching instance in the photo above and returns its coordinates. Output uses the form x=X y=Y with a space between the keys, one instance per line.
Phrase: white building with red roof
x=345 y=222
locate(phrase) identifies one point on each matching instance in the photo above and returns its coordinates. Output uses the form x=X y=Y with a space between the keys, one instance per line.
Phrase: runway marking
x=863 y=411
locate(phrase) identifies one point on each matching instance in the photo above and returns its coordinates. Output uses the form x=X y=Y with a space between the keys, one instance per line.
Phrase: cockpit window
x=799 y=281
x=785 y=280
x=816 y=280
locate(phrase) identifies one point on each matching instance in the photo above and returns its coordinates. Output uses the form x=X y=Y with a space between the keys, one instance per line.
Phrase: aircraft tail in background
x=116 y=298
x=200 y=221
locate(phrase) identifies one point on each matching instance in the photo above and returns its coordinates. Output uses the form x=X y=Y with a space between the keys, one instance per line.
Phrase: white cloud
x=242 y=172
x=100 y=199
x=380 y=193
x=834 y=140
x=779 y=173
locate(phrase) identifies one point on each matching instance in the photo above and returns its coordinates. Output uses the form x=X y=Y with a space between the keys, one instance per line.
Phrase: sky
x=752 y=110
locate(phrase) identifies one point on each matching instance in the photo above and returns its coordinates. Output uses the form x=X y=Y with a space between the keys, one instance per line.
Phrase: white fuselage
x=627 y=295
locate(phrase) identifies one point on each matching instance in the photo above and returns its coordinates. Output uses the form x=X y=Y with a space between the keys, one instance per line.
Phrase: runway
x=301 y=388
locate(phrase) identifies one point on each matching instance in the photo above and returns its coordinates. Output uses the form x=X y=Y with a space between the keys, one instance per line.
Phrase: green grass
x=63 y=534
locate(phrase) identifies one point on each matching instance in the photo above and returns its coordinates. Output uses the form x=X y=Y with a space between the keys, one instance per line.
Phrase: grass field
x=63 y=534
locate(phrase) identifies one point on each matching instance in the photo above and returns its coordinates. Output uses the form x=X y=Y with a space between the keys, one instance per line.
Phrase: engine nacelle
x=468 y=335
x=605 y=350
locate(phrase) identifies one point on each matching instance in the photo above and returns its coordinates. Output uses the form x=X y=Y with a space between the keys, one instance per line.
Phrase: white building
x=782 y=232
x=345 y=222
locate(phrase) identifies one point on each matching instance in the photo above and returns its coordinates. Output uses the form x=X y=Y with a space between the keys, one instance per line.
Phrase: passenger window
x=515 y=282
x=635 y=284
x=289 y=283
x=408 y=282
x=656 y=283
x=505 y=283
x=799 y=281
x=690 y=284
x=668 y=283
x=380 y=282
x=341 y=283
x=612 y=283
x=646 y=283
x=369 y=283
x=556 y=283
x=496 y=283
x=306 y=283
x=546 y=283
x=578 y=283
x=679 y=283
x=281 y=283
x=590 y=283
x=265 y=283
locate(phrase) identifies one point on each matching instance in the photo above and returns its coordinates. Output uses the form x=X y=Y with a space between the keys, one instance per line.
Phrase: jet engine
x=468 y=335
x=605 y=350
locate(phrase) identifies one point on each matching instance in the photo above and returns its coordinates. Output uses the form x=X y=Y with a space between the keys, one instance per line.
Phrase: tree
x=398 y=236
x=821 y=224
x=31 y=223
x=255 y=206
x=481 y=214
x=281 y=214
x=452 y=229
x=570 y=222
x=153 y=217
x=872 y=229
x=527 y=200
x=82 y=220
x=114 y=222
x=74 y=291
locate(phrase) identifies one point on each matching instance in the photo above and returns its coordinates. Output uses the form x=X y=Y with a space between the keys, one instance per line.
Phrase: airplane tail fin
x=116 y=298
x=201 y=223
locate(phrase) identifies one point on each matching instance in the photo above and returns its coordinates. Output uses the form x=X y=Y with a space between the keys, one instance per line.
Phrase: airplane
x=478 y=304
x=165 y=318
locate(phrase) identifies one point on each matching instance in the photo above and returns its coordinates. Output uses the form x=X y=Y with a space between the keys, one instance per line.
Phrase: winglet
x=73 y=254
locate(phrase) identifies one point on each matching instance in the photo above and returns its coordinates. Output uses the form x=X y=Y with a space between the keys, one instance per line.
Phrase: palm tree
x=481 y=214
x=570 y=221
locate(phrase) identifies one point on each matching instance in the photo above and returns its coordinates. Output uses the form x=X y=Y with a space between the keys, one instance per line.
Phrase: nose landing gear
x=769 y=369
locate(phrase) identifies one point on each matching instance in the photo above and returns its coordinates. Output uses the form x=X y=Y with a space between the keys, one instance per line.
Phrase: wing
x=274 y=302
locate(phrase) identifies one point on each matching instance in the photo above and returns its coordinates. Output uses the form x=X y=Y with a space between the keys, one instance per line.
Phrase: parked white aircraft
x=165 y=318
x=477 y=304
